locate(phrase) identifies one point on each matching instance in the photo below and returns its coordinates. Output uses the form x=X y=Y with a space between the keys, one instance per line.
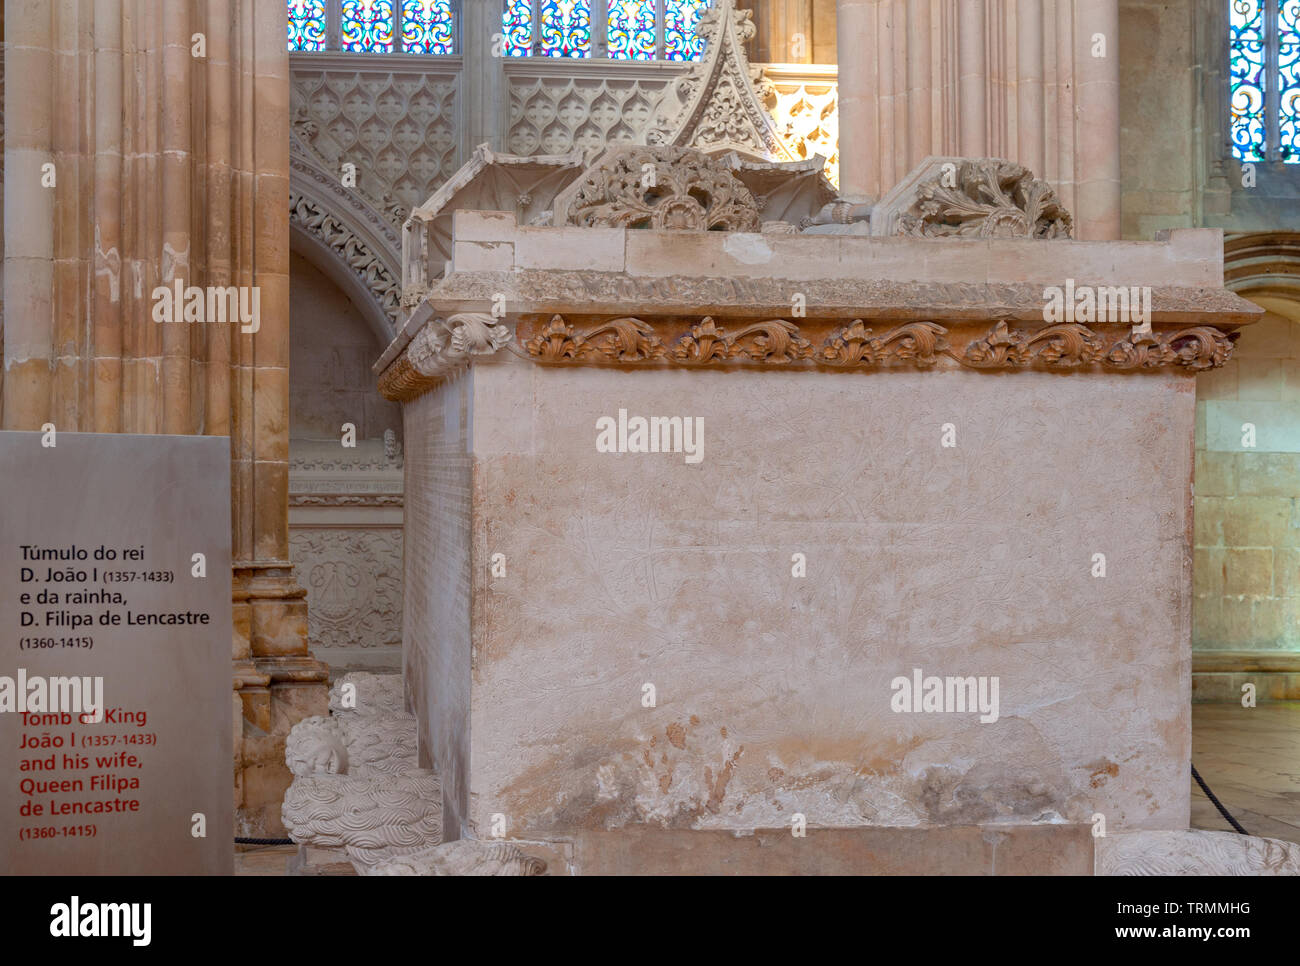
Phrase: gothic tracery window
x=1264 y=71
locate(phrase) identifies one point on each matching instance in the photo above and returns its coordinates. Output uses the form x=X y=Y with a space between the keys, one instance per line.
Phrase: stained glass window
x=306 y=24
x=1288 y=80
x=517 y=27
x=1264 y=68
x=631 y=33
x=680 y=18
x=566 y=28
x=426 y=26
x=367 y=26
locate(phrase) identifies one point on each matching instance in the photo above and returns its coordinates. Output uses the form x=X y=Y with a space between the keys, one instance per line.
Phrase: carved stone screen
x=115 y=700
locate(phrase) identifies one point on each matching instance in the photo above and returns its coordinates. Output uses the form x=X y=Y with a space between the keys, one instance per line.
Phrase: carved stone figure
x=357 y=786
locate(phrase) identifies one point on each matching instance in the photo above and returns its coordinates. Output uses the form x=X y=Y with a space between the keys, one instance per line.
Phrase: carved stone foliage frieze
x=780 y=342
x=660 y=187
x=353 y=577
x=985 y=198
x=364 y=262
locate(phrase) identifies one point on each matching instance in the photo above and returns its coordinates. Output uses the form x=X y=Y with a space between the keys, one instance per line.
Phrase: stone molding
x=365 y=263
x=614 y=294
x=634 y=342
x=1195 y=852
x=439 y=349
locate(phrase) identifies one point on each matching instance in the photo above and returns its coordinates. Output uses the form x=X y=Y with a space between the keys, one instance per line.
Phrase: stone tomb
x=899 y=476
x=100 y=587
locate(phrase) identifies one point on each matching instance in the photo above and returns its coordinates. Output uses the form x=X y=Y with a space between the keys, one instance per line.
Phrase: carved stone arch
x=348 y=240
x=1263 y=264
x=331 y=264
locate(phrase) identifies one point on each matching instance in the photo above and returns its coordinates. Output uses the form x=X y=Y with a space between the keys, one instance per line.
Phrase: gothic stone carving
x=634 y=342
x=353 y=578
x=987 y=198
x=397 y=127
x=658 y=187
x=363 y=261
x=439 y=349
x=715 y=106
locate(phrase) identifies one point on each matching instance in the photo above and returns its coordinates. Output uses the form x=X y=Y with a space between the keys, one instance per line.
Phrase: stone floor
x=1250 y=757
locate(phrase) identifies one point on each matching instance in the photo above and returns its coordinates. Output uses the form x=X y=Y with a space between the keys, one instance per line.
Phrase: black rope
x=1217 y=804
x=239 y=841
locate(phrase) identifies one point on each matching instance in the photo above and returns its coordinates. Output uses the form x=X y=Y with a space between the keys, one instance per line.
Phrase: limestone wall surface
x=436 y=577
x=773 y=692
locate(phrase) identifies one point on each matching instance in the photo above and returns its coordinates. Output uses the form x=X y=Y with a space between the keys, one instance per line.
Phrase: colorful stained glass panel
x=631 y=30
x=306 y=24
x=1288 y=80
x=566 y=28
x=680 y=18
x=427 y=27
x=367 y=26
x=517 y=28
x=1246 y=68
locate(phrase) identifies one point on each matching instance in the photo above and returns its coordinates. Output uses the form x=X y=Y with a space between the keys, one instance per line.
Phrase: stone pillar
x=856 y=96
x=170 y=163
x=486 y=115
x=1097 y=98
x=1027 y=81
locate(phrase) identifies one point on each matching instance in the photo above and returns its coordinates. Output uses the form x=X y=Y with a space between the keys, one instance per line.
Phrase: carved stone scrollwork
x=659 y=187
x=918 y=342
x=1059 y=346
x=1200 y=347
x=465 y=857
x=986 y=198
x=357 y=786
x=621 y=340
x=774 y=341
x=778 y=342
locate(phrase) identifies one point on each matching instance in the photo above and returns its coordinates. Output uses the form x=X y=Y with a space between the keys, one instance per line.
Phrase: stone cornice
x=549 y=292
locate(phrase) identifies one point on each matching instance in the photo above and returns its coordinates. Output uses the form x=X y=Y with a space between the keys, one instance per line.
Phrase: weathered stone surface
x=1195 y=852
x=464 y=857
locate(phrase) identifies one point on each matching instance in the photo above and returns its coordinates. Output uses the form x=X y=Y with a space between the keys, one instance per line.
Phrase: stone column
x=483 y=87
x=855 y=33
x=1025 y=80
x=167 y=127
x=1097 y=119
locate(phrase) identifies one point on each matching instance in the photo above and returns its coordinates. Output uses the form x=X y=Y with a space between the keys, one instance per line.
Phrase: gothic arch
x=351 y=243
